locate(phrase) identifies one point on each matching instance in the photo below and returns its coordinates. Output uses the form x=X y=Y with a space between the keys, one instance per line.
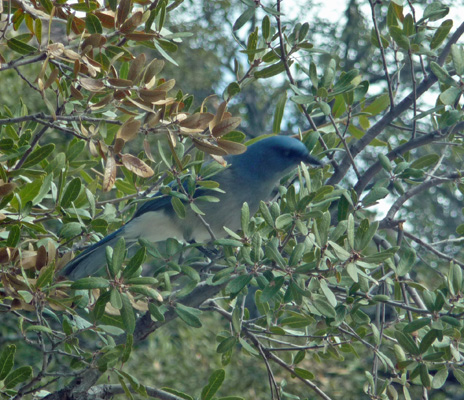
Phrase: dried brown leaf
x=208 y=147
x=226 y=126
x=92 y=85
x=133 y=22
x=103 y=102
x=165 y=102
x=126 y=111
x=197 y=121
x=106 y=18
x=124 y=8
x=167 y=86
x=94 y=40
x=7 y=188
x=152 y=119
x=75 y=93
x=41 y=260
x=71 y=55
x=136 y=67
x=51 y=251
x=147 y=149
x=93 y=149
x=232 y=147
x=140 y=36
x=110 y=174
x=121 y=94
x=152 y=96
x=129 y=130
x=55 y=49
x=136 y=165
x=140 y=104
x=219 y=115
x=118 y=145
x=153 y=69
x=118 y=82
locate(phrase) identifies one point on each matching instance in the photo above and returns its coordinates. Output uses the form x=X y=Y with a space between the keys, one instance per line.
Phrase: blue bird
x=250 y=177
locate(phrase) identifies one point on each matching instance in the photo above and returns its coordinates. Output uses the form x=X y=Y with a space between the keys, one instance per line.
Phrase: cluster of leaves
x=326 y=281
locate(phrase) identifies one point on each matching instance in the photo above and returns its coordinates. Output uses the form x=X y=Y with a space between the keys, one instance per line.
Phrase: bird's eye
x=286 y=153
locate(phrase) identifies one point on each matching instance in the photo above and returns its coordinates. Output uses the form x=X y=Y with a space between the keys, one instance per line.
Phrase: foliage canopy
x=356 y=266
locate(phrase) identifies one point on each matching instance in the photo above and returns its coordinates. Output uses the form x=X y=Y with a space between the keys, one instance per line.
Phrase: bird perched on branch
x=250 y=177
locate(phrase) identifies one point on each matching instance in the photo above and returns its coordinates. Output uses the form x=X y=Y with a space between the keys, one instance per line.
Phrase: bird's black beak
x=313 y=161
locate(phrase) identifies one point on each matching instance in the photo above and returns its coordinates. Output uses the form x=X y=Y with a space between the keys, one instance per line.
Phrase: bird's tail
x=92 y=259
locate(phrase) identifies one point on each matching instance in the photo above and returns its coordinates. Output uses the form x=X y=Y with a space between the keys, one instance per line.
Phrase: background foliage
x=349 y=284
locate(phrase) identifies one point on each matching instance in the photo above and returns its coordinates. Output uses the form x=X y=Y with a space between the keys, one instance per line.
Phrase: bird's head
x=274 y=157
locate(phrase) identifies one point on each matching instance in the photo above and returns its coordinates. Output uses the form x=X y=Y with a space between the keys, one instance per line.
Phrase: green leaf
x=270 y=71
x=441 y=33
x=7 y=360
x=407 y=343
x=279 y=112
x=399 y=37
x=424 y=375
x=134 y=263
x=270 y=291
x=244 y=18
x=13 y=236
x=215 y=381
x=427 y=340
x=245 y=218
x=440 y=378
x=457 y=54
x=127 y=314
x=19 y=375
x=116 y=298
x=378 y=105
x=232 y=90
x=328 y=293
x=47 y=5
x=303 y=373
x=178 y=207
x=226 y=345
x=90 y=283
x=455 y=278
x=442 y=75
x=266 y=28
x=416 y=325
x=20 y=47
x=189 y=315
x=382 y=256
x=155 y=312
x=425 y=161
x=385 y=162
x=45 y=276
x=237 y=284
x=450 y=95
x=434 y=12
x=377 y=193
x=39 y=328
x=119 y=251
x=451 y=320
x=146 y=291
x=71 y=192
x=407 y=260
x=93 y=24
x=273 y=253
x=283 y=220
x=127 y=348
x=459 y=375
x=323 y=307
x=38 y=155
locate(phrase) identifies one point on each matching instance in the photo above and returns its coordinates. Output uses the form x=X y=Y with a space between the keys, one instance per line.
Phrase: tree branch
x=389 y=117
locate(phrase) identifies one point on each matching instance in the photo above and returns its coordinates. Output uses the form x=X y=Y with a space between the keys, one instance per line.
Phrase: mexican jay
x=250 y=177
